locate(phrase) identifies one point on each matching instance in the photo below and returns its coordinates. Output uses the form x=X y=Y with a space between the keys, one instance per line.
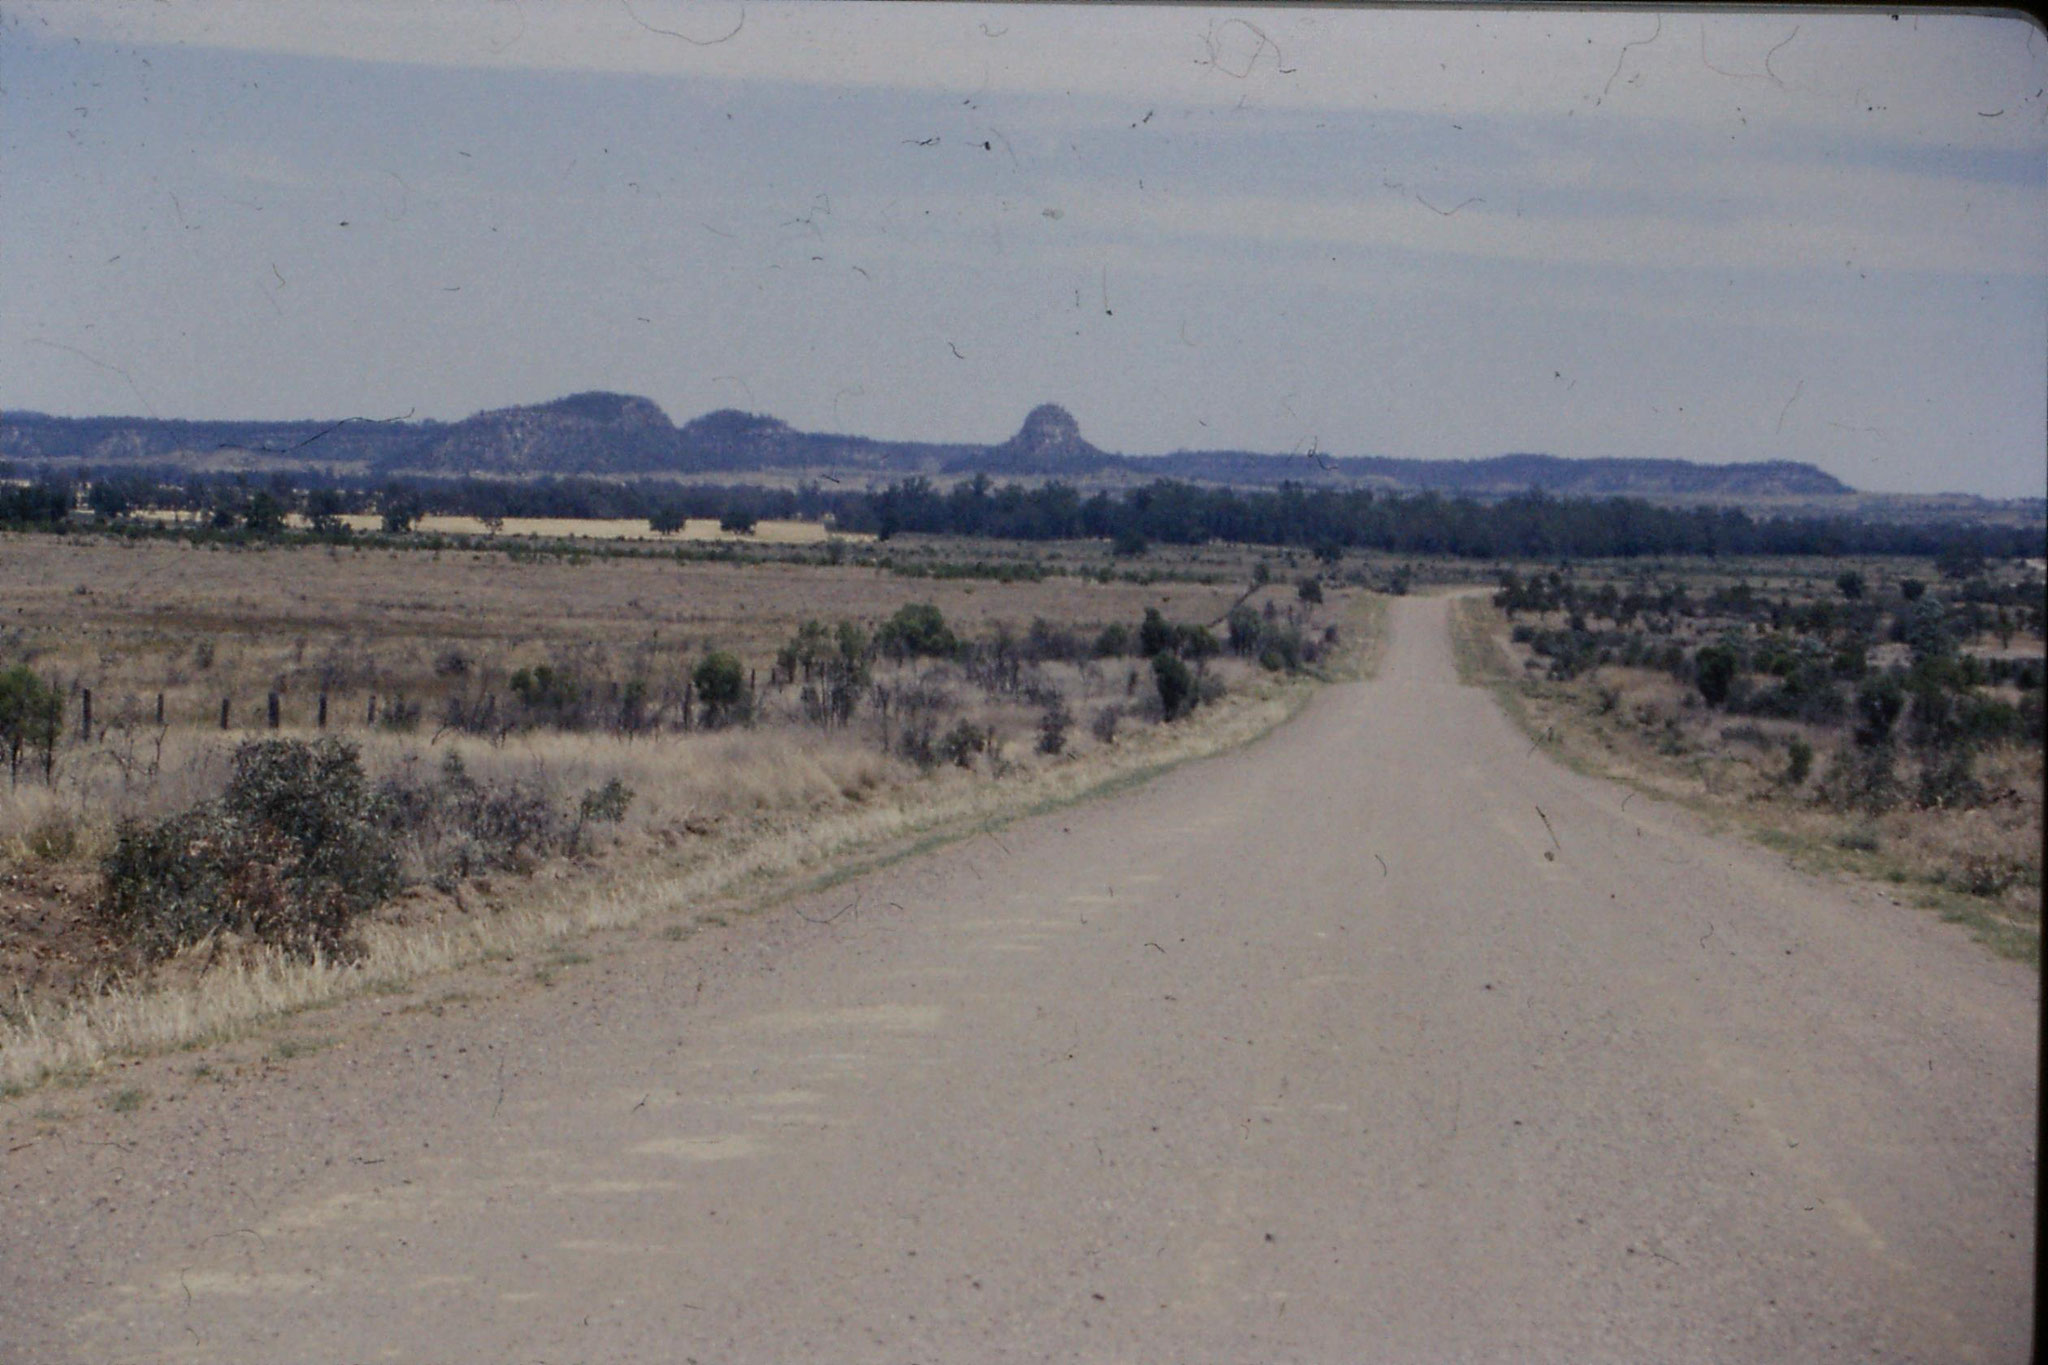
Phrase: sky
x=1425 y=233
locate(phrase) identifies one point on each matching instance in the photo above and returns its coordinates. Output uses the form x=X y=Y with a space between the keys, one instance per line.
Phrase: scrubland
x=1872 y=719
x=548 y=748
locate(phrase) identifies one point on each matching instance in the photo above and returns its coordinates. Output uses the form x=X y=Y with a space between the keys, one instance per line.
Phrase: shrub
x=1103 y=727
x=1112 y=642
x=456 y=827
x=1176 y=686
x=1310 y=591
x=1878 y=704
x=1244 y=627
x=1949 y=782
x=721 y=685
x=1053 y=725
x=1863 y=779
x=1798 y=762
x=291 y=855
x=964 y=741
x=1195 y=642
x=549 y=694
x=737 y=521
x=1714 y=668
x=1155 y=636
x=605 y=805
x=918 y=629
x=1280 y=648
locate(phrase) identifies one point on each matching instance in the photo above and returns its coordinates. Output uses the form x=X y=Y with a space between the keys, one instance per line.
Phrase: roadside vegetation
x=1883 y=717
x=255 y=778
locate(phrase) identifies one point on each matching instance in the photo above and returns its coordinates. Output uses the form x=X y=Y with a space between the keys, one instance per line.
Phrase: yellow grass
x=573 y=528
x=714 y=815
x=231 y=998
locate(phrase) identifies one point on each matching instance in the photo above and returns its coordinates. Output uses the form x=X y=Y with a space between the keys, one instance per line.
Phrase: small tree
x=31 y=715
x=1155 y=636
x=1310 y=591
x=721 y=685
x=265 y=516
x=323 y=511
x=738 y=521
x=1850 y=584
x=1714 y=668
x=1176 y=686
x=667 y=520
x=917 y=629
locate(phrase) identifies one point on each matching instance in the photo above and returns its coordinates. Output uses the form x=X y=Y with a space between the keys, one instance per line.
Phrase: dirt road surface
x=1383 y=1039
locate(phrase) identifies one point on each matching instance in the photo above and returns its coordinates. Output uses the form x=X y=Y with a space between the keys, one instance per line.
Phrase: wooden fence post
x=85 y=714
x=323 y=711
x=223 y=713
x=273 y=710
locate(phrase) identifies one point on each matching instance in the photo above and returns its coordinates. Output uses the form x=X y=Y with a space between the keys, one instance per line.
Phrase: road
x=1381 y=1039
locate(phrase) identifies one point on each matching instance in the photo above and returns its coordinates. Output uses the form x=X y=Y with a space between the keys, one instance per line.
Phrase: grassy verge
x=732 y=877
x=1898 y=853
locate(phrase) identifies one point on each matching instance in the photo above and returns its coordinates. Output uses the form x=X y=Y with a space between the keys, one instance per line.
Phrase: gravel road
x=1382 y=1039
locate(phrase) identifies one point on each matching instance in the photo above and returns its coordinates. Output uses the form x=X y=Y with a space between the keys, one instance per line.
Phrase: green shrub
x=1714 y=669
x=1798 y=762
x=721 y=684
x=1112 y=642
x=1155 y=636
x=917 y=630
x=1176 y=685
x=605 y=805
x=291 y=855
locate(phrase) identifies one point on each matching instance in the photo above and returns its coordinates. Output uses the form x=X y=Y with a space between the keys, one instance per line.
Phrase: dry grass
x=1980 y=866
x=714 y=814
x=768 y=531
x=233 y=997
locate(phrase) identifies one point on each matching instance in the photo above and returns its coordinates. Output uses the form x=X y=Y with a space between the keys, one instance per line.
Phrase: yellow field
x=576 y=528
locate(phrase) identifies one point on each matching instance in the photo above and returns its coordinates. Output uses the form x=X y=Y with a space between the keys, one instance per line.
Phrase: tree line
x=1530 y=526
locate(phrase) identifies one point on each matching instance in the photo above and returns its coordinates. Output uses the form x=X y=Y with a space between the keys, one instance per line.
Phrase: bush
x=721 y=685
x=1053 y=725
x=1714 y=668
x=605 y=805
x=1176 y=686
x=1798 y=763
x=917 y=630
x=1949 y=782
x=964 y=741
x=1103 y=727
x=1863 y=779
x=1244 y=627
x=457 y=827
x=1112 y=642
x=291 y=855
x=1878 y=704
x=1155 y=636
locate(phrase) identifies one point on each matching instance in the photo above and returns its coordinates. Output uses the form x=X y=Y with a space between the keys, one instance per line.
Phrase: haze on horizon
x=1430 y=234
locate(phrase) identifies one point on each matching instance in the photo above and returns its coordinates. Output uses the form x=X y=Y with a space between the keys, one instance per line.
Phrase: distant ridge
x=614 y=434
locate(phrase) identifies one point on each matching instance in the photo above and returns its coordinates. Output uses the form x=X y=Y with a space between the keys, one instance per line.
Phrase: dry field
x=770 y=531
x=711 y=810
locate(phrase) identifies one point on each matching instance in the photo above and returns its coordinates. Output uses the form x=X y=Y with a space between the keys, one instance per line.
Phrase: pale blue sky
x=1795 y=235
